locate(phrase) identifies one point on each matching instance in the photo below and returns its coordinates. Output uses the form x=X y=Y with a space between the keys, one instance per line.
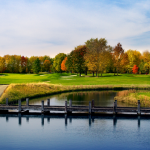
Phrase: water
x=21 y=132
x=101 y=98
x=58 y=133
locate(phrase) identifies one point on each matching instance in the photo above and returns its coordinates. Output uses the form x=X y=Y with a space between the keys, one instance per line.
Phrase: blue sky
x=49 y=27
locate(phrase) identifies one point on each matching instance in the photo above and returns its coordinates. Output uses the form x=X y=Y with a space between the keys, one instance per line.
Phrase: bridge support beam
x=48 y=102
x=90 y=108
x=7 y=101
x=27 y=101
x=19 y=105
x=42 y=106
x=139 y=108
x=66 y=107
x=115 y=107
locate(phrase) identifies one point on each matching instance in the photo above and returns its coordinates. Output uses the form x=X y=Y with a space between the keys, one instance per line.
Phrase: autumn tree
x=78 y=58
x=23 y=64
x=124 y=62
x=94 y=56
x=134 y=58
x=135 y=69
x=63 y=66
x=58 y=60
x=47 y=64
x=2 y=64
x=118 y=53
x=146 y=58
x=69 y=62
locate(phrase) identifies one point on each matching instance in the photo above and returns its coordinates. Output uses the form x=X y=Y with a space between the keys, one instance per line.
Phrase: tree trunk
x=96 y=73
x=80 y=74
x=117 y=72
x=93 y=73
x=86 y=71
x=101 y=74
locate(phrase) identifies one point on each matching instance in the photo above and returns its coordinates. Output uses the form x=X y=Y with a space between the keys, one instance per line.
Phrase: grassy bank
x=68 y=79
x=132 y=96
x=33 y=85
x=32 y=90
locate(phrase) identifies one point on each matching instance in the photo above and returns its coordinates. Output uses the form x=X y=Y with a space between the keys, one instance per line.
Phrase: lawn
x=68 y=79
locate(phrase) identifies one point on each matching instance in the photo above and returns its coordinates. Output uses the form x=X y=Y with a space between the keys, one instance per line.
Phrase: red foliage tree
x=135 y=69
x=23 y=64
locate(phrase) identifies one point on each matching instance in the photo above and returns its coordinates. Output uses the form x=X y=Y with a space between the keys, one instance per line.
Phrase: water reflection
x=91 y=118
x=101 y=98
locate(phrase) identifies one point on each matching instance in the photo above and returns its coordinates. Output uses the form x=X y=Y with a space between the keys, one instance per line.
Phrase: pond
x=62 y=132
x=101 y=98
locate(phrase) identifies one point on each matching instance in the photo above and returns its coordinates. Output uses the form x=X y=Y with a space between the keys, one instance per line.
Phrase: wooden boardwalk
x=90 y=109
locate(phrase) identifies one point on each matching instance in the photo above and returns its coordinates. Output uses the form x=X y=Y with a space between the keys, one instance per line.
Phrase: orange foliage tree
x=135 y=69
x=47 y=64
x=63 y=67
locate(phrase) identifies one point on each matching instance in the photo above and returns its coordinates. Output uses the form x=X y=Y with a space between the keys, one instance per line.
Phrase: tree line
x=95 y=56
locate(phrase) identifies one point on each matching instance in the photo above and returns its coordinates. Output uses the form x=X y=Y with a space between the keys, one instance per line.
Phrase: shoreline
x=34 y=90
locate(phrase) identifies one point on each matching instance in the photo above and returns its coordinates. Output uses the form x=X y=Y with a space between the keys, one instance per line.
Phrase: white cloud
x=50 y=27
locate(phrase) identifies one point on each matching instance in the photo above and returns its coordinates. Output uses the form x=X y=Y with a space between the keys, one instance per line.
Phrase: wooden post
x=7 y=101
x=114 y=107
x=90 y=107
x=42 y=107
x=116 y=104
x=48 y=102
x=65 y=106
x=19 y=105
x=92 y=103
x=138 y=109
x=27 y=101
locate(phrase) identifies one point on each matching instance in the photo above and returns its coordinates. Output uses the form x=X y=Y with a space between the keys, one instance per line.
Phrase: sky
x=48 y=27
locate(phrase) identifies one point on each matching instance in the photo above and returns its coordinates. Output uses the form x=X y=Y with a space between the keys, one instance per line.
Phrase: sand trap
x=73 y=75
x=65 y=76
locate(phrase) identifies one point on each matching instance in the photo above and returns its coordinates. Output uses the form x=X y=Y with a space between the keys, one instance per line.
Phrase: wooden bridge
x=90 y=109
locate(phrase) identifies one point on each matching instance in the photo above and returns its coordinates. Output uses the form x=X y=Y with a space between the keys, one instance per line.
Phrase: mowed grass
x=68 y=79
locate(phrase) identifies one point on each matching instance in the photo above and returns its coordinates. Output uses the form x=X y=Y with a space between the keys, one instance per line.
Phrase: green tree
x=36 y=66
x=58 y=60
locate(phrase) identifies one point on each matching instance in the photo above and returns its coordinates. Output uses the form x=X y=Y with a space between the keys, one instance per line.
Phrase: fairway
x=68 y=79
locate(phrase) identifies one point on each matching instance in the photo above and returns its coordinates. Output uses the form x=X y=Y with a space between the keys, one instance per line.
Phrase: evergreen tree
x=36 y=66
